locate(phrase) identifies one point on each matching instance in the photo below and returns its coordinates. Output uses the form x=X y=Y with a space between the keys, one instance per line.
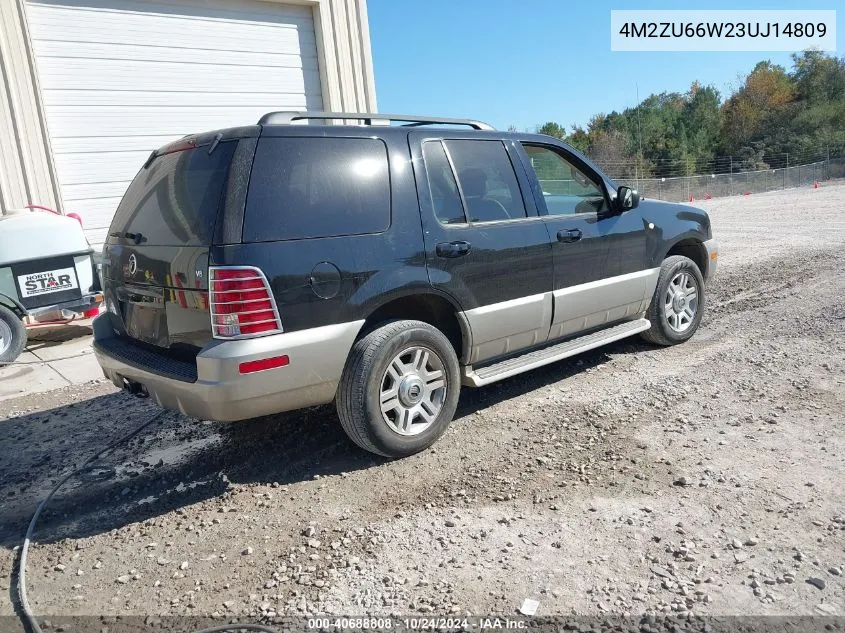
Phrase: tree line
x=774 y=113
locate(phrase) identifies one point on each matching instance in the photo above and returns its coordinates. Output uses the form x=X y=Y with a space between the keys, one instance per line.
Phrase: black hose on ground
x=28 y=617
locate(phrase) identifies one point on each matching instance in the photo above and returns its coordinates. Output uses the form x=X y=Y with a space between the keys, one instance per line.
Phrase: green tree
x=772 y=111
x=760 y=109
x=579 y=139
x=552 y=129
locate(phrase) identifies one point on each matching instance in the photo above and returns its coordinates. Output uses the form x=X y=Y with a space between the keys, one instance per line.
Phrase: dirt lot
x=705 y=478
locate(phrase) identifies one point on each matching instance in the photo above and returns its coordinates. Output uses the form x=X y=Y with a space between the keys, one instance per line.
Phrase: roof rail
x=368 y=118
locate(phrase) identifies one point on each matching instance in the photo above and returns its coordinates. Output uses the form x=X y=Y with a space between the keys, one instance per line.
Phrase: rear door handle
x=569 y=235
x=452 y=249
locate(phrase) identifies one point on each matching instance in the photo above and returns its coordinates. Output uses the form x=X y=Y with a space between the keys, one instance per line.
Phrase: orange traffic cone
x=816 y=184
x=691 y=198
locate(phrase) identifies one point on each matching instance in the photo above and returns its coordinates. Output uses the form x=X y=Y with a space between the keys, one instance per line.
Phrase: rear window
x=175 y=200
x=307 y=187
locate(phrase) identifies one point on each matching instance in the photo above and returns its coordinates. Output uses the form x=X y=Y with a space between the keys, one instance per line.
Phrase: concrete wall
x=27 y=174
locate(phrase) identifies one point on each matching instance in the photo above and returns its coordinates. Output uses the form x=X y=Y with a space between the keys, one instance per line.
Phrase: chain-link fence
x=700 y=187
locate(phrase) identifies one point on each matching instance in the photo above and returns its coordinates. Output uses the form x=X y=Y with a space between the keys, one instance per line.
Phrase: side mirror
x=626 y=198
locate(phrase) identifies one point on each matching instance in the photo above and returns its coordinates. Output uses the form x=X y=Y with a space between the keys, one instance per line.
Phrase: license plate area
x=145 y=317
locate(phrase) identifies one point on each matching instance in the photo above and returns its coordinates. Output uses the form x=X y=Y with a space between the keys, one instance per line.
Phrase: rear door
x=589 y=242
x=155 y=260
x=485 y=244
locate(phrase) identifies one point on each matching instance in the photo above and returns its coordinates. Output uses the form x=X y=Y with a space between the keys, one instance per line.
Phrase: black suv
x=381 y=265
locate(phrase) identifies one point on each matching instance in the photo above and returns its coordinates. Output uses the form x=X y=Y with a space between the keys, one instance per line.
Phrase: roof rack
x=368 y=118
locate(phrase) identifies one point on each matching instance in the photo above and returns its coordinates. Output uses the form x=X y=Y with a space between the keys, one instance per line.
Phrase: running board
x=546 y=355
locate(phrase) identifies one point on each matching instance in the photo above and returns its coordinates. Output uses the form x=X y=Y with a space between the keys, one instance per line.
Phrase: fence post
x=731 y=178
x=787 y=169
x=826 y=169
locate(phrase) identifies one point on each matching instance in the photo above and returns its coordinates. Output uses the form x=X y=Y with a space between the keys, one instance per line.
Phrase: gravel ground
x=703 y=478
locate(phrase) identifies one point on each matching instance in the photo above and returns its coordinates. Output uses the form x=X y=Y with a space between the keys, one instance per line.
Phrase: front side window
x=306 y=187
x=566 y=189
x=488 y=182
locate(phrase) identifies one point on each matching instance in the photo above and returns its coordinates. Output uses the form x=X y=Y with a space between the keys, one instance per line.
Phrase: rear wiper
x=135 y=237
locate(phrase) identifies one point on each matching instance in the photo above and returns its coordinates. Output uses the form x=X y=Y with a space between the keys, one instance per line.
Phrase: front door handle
x=569 y=235
x=452 y=249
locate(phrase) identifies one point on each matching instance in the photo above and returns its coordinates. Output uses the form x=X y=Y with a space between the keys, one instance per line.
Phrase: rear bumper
x=221 y=392
x=712 y=247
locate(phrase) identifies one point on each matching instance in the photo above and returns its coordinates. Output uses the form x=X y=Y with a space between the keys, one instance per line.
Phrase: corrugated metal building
x=89 y=87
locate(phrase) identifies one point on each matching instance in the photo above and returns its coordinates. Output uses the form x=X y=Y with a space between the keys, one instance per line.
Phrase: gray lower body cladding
x=500 y=329
x=221 y=392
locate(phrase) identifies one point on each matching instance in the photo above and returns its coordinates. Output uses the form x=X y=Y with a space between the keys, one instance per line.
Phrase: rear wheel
x=678 y=302
x=12 y=335
x=399 y=388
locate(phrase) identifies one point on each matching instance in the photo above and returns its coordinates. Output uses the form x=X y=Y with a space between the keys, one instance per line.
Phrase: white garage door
x=120 y=78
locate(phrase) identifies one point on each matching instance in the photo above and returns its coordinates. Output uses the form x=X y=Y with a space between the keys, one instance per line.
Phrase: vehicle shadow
x=178 y=461
x=52 y=334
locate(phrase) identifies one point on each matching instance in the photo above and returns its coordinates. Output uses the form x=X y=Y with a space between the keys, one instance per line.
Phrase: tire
x=671 y=322
x=12 y=335
x=389 y=364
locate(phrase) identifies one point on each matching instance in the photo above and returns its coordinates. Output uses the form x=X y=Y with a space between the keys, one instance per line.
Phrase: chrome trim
x=236 y=278
x=255 y=312
x=270 y=297
x=228 y=303
x=249 y=323
x=317 y=357
x=712 y=247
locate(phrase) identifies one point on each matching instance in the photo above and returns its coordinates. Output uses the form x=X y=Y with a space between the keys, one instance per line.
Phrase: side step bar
x=546 y=355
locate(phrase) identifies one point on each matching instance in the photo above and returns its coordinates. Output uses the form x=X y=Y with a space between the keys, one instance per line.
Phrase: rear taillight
x=241 y=303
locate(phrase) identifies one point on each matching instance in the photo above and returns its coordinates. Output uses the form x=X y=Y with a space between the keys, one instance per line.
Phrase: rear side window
x=304 y=187
x=175 y=200
x=487 y=179
x=441 y=183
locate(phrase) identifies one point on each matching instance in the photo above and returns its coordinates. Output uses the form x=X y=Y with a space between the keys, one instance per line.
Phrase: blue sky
x=525 y=62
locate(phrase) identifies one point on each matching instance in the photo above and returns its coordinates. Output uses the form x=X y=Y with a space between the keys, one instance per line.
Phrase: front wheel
x=399 y=388
x=12 y=335
x=678 y=302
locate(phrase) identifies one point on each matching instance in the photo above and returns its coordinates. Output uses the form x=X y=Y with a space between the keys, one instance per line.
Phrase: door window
x=442 y=186
x=567 y=190
x=488 y=182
